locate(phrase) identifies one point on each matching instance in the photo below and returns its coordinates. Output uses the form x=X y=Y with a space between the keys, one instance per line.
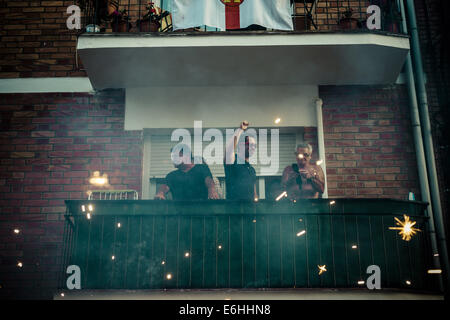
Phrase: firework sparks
x=322 y=269
x=406 y=228
x=284 y=194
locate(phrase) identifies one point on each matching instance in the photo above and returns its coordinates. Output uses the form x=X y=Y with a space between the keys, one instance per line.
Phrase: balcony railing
x=308 y=15
x=146 y=244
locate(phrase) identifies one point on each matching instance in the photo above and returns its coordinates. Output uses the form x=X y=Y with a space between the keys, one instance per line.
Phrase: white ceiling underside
x=241 y=59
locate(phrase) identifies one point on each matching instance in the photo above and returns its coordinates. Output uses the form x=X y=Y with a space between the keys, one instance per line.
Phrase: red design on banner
x=232 y=18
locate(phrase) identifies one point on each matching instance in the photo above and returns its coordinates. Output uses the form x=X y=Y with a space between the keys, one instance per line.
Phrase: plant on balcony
x=151 y=21
x=348 y=22
x=119 y=21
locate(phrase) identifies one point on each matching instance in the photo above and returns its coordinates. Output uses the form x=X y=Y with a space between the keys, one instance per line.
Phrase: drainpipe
x=419 y=106
x=321 y=143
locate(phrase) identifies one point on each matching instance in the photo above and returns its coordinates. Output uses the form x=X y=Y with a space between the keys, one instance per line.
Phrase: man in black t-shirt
x=240 y=176
x=190 y=181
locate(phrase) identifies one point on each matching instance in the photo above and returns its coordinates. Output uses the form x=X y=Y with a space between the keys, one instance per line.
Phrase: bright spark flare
x=284 y=194
x=322 y=269
x=332 y=202
x=19 y=264
x=277 y=120
x=187 y=254
x=301 y=233
x=169 y=276
x=16 y=231
x=319 y=162
x=406 y=228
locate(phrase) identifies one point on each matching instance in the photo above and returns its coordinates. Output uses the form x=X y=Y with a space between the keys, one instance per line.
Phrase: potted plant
x=151 y=21
x=348 y=22
x=119 y=21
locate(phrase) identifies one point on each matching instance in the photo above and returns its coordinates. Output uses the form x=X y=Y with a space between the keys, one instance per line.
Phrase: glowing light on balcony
x=187 y=254
x=118 y=225
x=219 y=247
x=88 y=216
x=98 y=180
x=319 y=162
x=83 y=208
x=277 y=120
x=256 y=199
x=406 y=228
x=332 y=202
x=408 y=282
x=113 y=258
x=254 y=221
x=322 y=269
x=360 y=282
x=436 y=255
x=299 y=234
x=354 y=246
x=16 y=231
x=283 y=194
x=62 y=294
x=90 y=207
x=163 y=262
x=20 y=264
x=300 y=156
x=168 y=276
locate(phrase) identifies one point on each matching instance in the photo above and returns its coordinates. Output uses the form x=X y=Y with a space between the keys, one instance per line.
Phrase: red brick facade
x=50 y=145
x=35 y=41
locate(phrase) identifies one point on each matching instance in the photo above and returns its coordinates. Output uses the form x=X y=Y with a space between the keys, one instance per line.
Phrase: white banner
x=272 y=14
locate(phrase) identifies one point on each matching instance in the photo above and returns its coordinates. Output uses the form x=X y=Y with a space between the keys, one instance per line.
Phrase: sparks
x=300 y=156
x=219 y=247
x=16 y=231
x=169 y=276
x=88 y=216
x=435 y=271
x=83 y=208
x=406 y=228
x=119 y=225
x=332 y=202
x=354 y=246
x=277 y=120
x=322 y=269
x=301 y=233
x=163 y=262
x=113 y=258
x=284 y=194
x=187 y=254
x=19 y=264
x=361 y=282
x=319 y=162
x=256 y=199
x=90 y=207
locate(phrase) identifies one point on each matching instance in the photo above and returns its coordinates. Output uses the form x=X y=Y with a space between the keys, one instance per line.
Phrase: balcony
x=147 y=244
x=325 y=48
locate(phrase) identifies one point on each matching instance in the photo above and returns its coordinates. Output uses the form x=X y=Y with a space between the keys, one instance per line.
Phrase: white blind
x=161 y=164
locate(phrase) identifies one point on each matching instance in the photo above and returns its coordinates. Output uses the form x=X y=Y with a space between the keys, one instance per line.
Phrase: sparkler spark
x=322 y=269
x=284 y=194
x=301 y=233
x=406 y=228
x=16 y=231
x=277 y=120
x=319 y=162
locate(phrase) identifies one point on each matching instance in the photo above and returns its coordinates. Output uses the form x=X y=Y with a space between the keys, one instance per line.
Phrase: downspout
x=420 y=116
x=321 y=143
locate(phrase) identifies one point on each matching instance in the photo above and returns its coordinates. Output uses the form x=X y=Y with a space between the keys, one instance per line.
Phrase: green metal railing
x=146 y=244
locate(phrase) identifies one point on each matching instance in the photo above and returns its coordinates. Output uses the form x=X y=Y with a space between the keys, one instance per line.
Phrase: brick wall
x=49 y=145
x=368 y=142
x=35 y=41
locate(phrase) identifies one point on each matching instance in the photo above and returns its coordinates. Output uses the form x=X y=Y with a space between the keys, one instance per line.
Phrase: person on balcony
x=240 y=176
x=190 y=181
x=303 y=180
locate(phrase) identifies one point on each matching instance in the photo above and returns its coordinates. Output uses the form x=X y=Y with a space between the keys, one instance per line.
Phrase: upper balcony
x=330 y=44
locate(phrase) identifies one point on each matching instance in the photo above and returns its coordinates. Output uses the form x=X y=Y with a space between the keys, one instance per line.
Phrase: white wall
x=220 y=107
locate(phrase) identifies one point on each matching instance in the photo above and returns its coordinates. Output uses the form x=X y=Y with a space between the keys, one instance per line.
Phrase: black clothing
x=189 y=185
x=240 y=180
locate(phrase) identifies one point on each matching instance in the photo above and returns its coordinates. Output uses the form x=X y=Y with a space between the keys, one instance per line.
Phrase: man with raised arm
x=240 y=176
